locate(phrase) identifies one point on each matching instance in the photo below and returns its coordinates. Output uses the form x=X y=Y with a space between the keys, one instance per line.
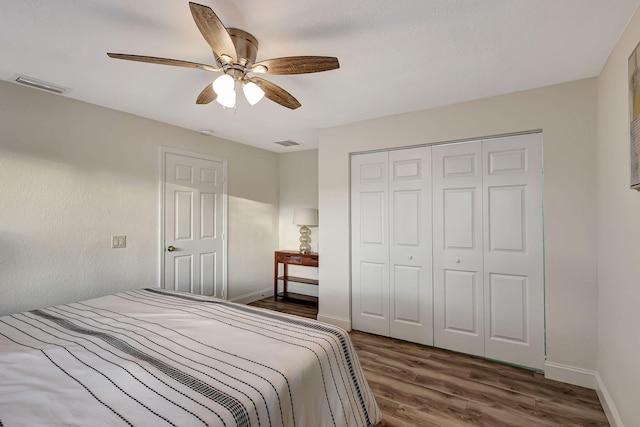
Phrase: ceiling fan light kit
x=235 y=52
x=224 y=87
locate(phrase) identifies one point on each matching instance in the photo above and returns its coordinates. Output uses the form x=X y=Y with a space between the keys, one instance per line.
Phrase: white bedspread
x=153 y=358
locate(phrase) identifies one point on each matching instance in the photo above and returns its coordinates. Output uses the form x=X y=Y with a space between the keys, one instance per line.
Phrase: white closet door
x=370 y=243
x=410 y=241
x=513 y=251
x=457 y=247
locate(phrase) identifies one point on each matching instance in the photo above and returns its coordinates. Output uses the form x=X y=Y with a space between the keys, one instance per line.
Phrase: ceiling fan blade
x=296 y=65
x=207 y=95
x=276 y=93
x=214 y=32
x=163 y=61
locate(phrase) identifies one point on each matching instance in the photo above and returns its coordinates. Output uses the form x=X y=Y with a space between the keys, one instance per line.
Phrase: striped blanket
x=154 y=357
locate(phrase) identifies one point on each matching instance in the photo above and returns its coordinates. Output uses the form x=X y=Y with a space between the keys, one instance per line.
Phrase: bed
x=156 y=357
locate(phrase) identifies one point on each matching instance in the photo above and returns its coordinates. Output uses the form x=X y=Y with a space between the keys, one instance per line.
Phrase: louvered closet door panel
x=457 y=247
x=410 y=239
x=513 y=252
x=370 y=243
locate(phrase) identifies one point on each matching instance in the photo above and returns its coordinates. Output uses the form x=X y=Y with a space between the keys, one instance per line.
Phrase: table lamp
x=305 y=217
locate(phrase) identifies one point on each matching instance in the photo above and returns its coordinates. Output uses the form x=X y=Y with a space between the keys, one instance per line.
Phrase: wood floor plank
x=475 y=363
x=419 y=365
x=533 y=386
x=572 y=413
x=387 y=406
x=491 y=416
x=404 y=374
x=391 y=421
x=417 y=385
x=410 y=394
x=429 y=416
x=447 y=379
x=569 y=391
x=388 y=421
x=474 y=391
x=406 y=348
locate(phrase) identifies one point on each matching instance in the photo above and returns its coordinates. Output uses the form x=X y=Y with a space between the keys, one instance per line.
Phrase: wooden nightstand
x=287 y=258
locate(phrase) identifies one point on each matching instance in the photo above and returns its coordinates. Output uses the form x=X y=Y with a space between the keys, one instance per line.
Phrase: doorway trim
x=171 y=150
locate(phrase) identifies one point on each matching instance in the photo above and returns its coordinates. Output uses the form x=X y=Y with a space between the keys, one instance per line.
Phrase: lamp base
x=305 y=239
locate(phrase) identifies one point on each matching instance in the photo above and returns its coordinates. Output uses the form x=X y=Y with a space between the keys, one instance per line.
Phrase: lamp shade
x=305 y=216
x=252 y=92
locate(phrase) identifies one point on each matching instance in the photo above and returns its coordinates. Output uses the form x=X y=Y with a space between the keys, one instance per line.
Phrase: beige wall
x=298 y=188
x=73 y=174
x=567 y=116
x=618 y=239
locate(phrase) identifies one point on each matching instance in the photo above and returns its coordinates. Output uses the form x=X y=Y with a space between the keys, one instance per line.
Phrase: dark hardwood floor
x=416 y=385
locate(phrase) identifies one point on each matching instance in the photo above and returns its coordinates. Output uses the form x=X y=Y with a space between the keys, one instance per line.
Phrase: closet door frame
x=502 y=321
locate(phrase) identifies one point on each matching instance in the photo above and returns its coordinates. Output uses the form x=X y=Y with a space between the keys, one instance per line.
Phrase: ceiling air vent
x=286 y=143
x=39 y=84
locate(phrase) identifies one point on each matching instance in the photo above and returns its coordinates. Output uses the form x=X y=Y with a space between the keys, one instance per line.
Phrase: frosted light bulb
x=227 y=99
x=223 y=84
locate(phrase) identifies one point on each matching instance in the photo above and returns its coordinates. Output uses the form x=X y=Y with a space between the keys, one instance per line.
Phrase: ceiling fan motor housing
x=246 y=48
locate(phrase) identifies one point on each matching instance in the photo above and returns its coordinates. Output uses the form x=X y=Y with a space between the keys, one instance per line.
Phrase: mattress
x=155 y=357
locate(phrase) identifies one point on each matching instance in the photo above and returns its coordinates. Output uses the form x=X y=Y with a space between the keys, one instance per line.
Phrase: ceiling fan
x=235 y=53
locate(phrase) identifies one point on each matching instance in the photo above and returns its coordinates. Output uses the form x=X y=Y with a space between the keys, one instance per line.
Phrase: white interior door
x=457 y=247
x=194 y=209
x=513 y=250
x=391 y=244
x=370 y=243
x=474 y=282
x=410 y=314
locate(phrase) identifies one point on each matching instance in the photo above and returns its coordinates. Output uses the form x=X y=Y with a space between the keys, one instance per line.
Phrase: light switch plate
x=118 y=242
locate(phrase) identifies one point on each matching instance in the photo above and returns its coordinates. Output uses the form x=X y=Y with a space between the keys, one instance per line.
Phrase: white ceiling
x=395 y=56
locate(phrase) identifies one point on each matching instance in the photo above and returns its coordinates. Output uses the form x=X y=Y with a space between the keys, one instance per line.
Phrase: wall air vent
x=286 y=143
x=39 y=84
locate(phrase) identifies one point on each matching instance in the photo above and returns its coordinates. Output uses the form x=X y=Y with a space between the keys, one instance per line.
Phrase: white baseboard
x=253 y=296
x=342 y=322
x=609 y=407
x=570 y=374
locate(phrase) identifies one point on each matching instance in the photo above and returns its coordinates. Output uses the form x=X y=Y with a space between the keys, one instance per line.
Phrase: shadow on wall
x=253 y=236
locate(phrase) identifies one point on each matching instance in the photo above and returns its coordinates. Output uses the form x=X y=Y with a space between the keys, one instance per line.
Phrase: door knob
x=171 y=248
x=457 y=260
x=410 y=257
